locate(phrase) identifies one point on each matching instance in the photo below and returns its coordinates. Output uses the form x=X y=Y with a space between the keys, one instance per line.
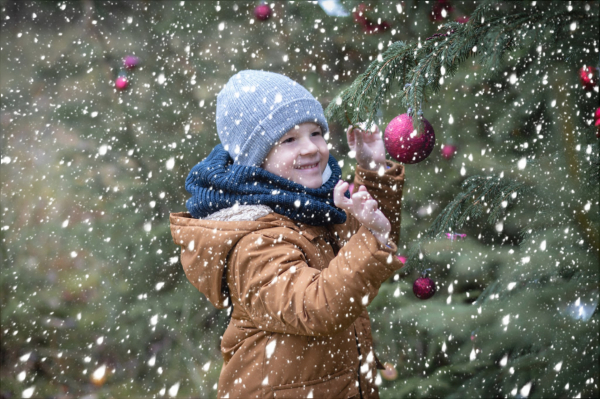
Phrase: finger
x=349 y=130
x=369 y=209
x=371 y=205
x=350 y=136
x=359 y=138
x=362 y=195
x=363 y=189
x=338 y=195
x=377 y=131
x=342 y=188
x=339 y=187
x=342 y=202
x=358 y=200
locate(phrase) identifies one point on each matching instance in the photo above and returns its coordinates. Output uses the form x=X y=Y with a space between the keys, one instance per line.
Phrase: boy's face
x=301 y=156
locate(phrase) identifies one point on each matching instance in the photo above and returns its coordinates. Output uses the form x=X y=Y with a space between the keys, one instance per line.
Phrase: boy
x=270 y=231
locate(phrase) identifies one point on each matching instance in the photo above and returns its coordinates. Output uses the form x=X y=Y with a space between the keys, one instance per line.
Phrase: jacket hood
x=206 y=243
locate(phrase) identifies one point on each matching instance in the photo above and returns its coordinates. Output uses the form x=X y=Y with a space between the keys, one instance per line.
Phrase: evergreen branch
x=567 y=126
x=499 y=192
x=593 y=170
x=420 y=64
x=481 y=193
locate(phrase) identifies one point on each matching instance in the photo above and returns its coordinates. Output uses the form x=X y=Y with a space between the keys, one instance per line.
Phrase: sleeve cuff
x=393 y=174
x=389 y=246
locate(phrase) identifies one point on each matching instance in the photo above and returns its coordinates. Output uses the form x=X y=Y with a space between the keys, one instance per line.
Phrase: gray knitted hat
x=256 y=108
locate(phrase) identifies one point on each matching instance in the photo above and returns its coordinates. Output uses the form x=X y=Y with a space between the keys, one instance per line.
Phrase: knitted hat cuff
x=274 y=126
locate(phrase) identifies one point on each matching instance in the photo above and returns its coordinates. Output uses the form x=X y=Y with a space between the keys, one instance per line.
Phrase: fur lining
x=240 y=213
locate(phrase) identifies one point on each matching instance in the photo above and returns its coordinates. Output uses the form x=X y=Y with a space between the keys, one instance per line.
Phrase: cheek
x=287 y=163
x=324 y=151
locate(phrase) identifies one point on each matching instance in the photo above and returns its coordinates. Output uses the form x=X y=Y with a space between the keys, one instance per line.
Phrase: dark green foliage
x=529 y=262
x=90 y=275
x=482 y=195
x=492 y=31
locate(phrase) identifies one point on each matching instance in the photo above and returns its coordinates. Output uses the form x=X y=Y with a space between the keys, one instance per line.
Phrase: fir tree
x=522 y=320
x=90 y=281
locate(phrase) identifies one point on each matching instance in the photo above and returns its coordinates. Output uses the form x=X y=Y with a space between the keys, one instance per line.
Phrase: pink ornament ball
x=121 y=83
x=448 y=151
x=597 y=122
x=588 y=77
x=424 y=288
x=131 y=61
x=403 y=142
x=262 y=12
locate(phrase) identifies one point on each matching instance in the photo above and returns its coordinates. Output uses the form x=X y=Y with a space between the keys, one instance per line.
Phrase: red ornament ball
x=448 y=151
x=131 y=61
x=262 y=12
x=403 y=142
x=359 y=14
x=424 y=288
x=588 y=77
x=121 y=83
x=369 y=26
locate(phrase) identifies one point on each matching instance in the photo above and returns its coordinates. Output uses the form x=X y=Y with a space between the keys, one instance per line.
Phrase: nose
x=308 y=147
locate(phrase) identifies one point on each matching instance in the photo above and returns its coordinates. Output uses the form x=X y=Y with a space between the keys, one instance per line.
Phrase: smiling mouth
x=311 y=166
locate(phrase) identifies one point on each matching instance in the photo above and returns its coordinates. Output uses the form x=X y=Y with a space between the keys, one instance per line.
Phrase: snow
x=28 y=392
x=98 y=374
x=270 y=348
x=558 y=366
x=173 y=390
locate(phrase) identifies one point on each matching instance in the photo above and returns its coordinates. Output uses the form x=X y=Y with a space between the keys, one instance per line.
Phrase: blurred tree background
x=94 y=302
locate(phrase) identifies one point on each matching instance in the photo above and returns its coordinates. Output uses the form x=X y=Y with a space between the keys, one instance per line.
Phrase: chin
x=312 y=186
x=309 y=183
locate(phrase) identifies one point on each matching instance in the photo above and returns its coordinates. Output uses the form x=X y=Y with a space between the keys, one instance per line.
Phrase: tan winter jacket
x=299 y=326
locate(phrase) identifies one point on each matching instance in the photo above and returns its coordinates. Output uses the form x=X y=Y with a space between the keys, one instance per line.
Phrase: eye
x=291 y=139
x=317 y=133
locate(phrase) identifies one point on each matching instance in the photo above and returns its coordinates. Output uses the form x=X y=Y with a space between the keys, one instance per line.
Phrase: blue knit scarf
x=216 y=183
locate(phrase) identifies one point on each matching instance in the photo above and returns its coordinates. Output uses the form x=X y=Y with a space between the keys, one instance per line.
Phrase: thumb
x=339 y=199
x=351 y=136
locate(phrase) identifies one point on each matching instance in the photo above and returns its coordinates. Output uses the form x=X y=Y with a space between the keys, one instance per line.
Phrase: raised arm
x=386 y=189
x=383 y=179
x=279 y=291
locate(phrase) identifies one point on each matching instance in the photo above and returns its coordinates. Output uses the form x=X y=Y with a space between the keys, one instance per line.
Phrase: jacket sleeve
x=387 y=190
x=280 y=293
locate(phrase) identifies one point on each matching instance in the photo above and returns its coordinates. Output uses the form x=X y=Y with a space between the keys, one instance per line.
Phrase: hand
x=368 y=147
x=365 y=210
